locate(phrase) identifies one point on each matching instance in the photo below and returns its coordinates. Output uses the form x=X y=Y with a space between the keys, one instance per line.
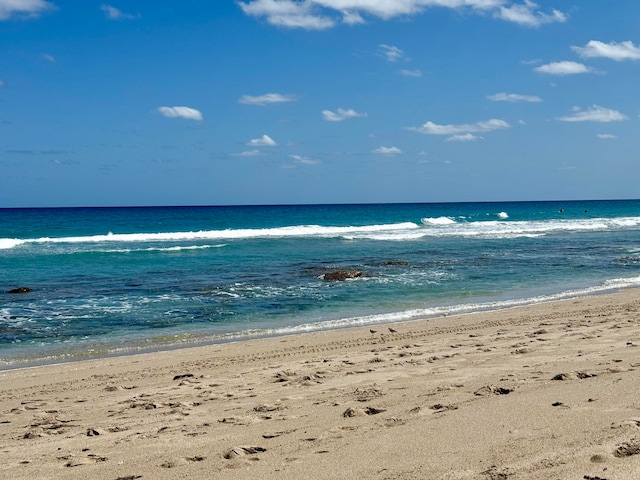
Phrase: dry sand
x=549 y=391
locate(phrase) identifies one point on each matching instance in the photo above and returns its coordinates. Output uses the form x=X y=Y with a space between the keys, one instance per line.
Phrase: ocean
x=113 y=281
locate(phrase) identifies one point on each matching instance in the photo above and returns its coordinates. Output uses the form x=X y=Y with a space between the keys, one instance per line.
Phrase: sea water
x=109 y=281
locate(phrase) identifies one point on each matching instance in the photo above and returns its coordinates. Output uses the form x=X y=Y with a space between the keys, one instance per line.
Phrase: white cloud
x=606 y=136
x=288 y=13
x=594 y=113
x=341 y=115
x=1 y=84
x=513 y=97
x=49 y=58
x=181 y=112
x=248 y=153
x=113 y=13
x=387 y=151
x=564 y=68
x=411 y=73
x=528 y=15
x=391 y=53
x=264 y=141
x=266 y=99
x=304 y=160
x=431 y=128
x=352 y=18
x=466 y=137
x=614 y=51
x=23 y=8
x=323 y=14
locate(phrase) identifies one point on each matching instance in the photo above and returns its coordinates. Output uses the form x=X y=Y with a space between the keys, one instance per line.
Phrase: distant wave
x=176 y=248
x=429 y=227
x=279 y=232
x=438 y=221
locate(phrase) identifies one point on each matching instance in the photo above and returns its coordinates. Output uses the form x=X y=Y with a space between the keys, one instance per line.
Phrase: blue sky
x=317 y=101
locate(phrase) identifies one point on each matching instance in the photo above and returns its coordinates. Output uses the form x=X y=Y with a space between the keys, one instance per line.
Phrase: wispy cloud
x=390 y=52
x=564 y=68
x=304 y=160
x=594 y=113
x=37 y=152
x=387 y=151
x=248 y=153
x=352 y=18
x=113 y=13
x=513 y=97
x=266 y=99
x=341 y=115
x=411 y=73
x=49 y=58
x=606 y=136
x=23 y=8
x=181 y=112
x=614 y=51
x=264 y=141
x=324 y=14
x=431 y=128
x=529 y=15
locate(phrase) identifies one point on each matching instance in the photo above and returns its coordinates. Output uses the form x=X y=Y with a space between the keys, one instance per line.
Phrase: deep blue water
x=121 y=280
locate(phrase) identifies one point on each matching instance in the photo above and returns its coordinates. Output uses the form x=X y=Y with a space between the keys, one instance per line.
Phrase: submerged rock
x=20 y=290
x=340 y=275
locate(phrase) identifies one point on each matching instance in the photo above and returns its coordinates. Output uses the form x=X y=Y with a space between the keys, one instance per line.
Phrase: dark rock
x=20 y=290
x=340 y=275
x=184 y=375
x=396 y=262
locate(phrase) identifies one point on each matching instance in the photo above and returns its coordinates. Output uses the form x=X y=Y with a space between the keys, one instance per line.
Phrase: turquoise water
x=122 y=280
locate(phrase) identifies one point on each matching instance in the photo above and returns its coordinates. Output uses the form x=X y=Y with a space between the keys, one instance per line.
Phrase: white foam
x=438 y=221
x=503 y=215
x=6 y=243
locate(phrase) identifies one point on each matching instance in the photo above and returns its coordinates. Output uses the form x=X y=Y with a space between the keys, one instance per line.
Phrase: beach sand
x=549 y=391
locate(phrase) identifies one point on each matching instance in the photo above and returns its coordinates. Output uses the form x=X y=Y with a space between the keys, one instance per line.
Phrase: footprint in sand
x=181 y=461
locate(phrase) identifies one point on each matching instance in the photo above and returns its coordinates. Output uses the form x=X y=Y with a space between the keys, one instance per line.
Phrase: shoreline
x=194 y=340
x=541 y=391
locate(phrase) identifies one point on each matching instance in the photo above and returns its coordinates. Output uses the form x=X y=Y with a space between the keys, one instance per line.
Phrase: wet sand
x=549 y=391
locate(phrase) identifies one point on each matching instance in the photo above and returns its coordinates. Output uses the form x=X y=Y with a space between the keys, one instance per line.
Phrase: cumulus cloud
x=594 y=113
x=112 y=13
x=564 y=68
x=513 y=97
x=323 y=14
x=304 y=160
x=431 y=128
x=387 y=151
x=264 y=141
x=266 y=99
x=181 y=112
x=23 y=8
x=614 y=51
x=341 y=115
x=527 y=14
x=390 y=52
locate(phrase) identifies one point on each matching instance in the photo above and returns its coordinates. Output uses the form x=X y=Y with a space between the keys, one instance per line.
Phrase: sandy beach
x=549 y=391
